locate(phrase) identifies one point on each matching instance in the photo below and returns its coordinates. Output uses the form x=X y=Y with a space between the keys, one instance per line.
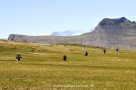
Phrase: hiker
x=86 y=53
x=64 y=57
x=104 y=50
x=18 y=57
x=117 y=50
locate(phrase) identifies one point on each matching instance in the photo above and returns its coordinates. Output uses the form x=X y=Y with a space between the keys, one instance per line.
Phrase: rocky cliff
x=110 y=33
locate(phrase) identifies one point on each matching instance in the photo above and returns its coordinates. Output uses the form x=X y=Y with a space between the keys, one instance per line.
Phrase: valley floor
x=42 y=68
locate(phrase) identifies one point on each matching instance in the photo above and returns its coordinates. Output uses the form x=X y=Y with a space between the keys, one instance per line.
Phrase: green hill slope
x=42 y=67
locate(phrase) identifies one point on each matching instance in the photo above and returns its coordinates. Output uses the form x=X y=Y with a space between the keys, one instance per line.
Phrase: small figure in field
x=18 y=57
x=64 y=57
x=117 y=50
x=104 y=51
x=86 y=53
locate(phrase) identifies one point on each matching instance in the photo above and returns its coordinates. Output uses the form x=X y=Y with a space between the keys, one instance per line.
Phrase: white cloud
x=68 y=33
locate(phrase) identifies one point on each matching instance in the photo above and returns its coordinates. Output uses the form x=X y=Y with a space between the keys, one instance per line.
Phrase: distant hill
x=109 y=33
x=3 y=40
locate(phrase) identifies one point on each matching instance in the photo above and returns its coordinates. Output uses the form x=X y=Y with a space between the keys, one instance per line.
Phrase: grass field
x=42 y=68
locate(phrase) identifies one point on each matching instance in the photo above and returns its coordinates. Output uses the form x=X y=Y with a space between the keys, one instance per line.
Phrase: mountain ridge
x=109 y=33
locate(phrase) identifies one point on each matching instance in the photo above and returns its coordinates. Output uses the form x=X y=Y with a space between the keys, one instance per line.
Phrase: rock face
x=110 y=33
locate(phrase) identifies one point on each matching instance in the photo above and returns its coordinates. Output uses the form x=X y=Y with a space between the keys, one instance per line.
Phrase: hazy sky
x=42 y=17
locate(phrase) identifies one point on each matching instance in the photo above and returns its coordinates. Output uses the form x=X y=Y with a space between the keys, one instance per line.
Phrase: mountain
x=109 y=33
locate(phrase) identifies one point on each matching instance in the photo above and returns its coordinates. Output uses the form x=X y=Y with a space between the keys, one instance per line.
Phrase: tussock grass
x=42 y=68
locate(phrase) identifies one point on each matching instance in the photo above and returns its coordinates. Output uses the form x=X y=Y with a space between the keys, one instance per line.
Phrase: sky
x=44 y=17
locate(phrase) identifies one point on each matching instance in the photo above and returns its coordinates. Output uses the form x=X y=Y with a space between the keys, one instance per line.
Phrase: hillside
x=42 y=68
x=110 y=33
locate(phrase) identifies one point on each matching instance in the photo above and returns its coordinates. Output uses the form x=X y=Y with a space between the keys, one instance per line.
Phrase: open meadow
x=42 y=68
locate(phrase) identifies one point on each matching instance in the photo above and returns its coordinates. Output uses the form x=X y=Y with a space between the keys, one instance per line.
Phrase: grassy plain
x=42 y=68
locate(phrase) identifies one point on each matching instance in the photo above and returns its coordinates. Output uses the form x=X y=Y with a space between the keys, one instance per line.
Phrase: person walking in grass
x=104 y=51
x=86 y=53
x=64 y=57
x=117 y=49
x=18 y=57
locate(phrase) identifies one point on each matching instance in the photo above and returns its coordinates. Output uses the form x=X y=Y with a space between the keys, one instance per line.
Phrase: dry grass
x=42 y=68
